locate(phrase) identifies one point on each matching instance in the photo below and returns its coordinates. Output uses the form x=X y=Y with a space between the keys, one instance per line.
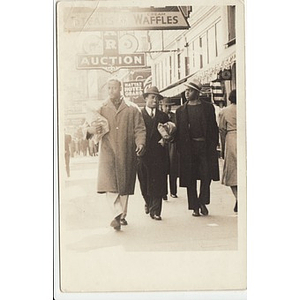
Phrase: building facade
x=207 y=51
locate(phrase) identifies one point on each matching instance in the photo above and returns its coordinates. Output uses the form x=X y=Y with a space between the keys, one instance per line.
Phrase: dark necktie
x=152 y=113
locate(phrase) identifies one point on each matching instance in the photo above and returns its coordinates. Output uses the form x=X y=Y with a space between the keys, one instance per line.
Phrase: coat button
x=117 y=128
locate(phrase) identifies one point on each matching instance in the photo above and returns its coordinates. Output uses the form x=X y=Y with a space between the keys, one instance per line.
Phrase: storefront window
x=219 y=39
x=187 y=66
x=157 y=74
x=203 y=45
x=170 y=68
x=193 y=55
x=233 y=80
x=211 y=37
x=179 y=65
x=231 y=23
x=162 y=79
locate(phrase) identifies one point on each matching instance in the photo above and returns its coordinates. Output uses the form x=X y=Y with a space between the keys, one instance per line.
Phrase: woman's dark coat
x=183 y=142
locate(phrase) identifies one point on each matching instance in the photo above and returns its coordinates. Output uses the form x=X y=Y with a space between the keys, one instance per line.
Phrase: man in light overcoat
x=118 y=150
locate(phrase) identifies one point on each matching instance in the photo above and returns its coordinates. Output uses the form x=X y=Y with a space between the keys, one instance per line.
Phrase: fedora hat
x=152 y=90
x=167 y=101
x=194 y=84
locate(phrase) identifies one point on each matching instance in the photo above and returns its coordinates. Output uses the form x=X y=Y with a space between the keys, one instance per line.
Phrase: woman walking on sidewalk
x=228 y=135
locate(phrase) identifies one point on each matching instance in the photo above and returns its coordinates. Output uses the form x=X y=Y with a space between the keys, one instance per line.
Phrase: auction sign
x=109 y=57
x=110 y=63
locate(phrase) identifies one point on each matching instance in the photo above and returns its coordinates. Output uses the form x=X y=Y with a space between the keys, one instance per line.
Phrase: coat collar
x=186 y=117
x=125 y=103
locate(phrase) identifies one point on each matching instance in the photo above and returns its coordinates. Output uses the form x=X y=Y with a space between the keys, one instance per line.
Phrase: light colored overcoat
x=117 y=148
x=228 y=133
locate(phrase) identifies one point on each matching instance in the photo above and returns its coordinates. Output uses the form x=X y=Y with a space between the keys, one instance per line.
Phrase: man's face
x=152 y=101
x=166 y=108
x=191 y=94
x=114 y=90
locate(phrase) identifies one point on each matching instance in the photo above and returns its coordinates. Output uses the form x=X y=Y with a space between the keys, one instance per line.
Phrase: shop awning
x=205 y=75
x=176 y=88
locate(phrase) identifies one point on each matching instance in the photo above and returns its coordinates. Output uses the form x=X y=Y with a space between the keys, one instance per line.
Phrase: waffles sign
x=131 y=18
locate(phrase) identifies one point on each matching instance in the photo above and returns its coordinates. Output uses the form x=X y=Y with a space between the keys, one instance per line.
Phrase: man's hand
x=140 y=150
x=91 y=130
x=95 y=128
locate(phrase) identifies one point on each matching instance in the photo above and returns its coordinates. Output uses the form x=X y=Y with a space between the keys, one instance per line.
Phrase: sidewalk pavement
x=86 y=236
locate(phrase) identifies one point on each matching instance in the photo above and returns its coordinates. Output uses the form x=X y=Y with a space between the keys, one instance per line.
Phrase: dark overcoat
x=183 y=141
x=154 y=161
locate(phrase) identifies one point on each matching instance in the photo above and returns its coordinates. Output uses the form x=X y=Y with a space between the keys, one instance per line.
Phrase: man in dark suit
x=172 y=155
x=152 y=167
x=197 y=140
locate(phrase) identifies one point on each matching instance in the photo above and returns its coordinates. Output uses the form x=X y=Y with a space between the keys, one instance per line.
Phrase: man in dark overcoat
x=152 y=166
x=197 y=140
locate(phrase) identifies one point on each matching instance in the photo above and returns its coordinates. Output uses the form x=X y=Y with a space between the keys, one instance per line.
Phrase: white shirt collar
x=149 y=110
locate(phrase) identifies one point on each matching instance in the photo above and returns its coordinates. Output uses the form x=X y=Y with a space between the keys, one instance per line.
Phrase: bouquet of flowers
x=98 y=122
x=166 y=131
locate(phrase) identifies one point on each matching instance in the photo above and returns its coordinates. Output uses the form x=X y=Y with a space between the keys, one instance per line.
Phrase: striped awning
x=217 y=91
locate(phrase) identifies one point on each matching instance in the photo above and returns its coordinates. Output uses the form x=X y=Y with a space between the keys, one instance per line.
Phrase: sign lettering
x=103 y=19
x=133 y=89
x=91 y=61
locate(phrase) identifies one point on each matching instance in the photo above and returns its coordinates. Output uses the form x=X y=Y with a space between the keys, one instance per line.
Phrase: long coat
x=228 y=132
x=117 y=156
x=154 y=161
x=183 y=141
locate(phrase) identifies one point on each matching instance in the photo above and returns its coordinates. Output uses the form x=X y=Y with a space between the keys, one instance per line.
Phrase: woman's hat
x=153 y=90
x=194 y=84
x=167 y=101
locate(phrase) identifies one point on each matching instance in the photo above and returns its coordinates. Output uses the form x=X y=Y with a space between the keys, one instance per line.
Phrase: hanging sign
x=133 y=89
x=113 y=55
x=112 y=62
x=120 y=19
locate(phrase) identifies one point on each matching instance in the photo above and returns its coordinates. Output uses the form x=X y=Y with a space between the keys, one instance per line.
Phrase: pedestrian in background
x=218 y=108
x=68 y=141
x=171 y=149
x=85 y=146
x=118 y=150
x=152 y=166
x=197 y=140
x=92 y=151
x=228 y=133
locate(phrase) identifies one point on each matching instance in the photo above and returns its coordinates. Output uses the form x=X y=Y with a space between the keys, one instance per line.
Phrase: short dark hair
x=116 y=80
x=232 y=96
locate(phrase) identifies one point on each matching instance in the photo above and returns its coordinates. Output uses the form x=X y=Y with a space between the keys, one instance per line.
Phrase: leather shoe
x=165 y=197
x=157 y=218
x=147 y=210
x=204 y=210
x=174 y=196
x=115 y=223
x=123 y=222
x=196 y=213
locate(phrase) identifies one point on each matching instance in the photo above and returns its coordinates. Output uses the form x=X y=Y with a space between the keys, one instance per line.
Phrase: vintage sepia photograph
x=150 y=147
